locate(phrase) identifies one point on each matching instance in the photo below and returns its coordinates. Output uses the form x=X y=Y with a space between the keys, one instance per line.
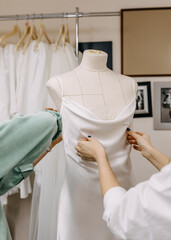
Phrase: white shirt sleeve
x=142 y=212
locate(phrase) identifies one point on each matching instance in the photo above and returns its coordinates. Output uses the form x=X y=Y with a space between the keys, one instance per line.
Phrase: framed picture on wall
x=162 y=105
x=143 y=100
x=146 y=42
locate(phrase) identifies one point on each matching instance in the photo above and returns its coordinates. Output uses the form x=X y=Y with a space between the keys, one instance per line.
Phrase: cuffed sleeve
x=58 y=122
x=15 y=176
x=26 y=170
x=111 y=198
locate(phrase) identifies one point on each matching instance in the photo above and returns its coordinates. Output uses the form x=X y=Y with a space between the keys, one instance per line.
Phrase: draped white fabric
x=23 y=90
x=81 y=205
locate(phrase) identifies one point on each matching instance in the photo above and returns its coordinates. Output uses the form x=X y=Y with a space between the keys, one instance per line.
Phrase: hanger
x=2 y=44
x=21 y=41
x=42 y=33
x=32 y=35
x=61 y=32
x=66 y=34
x=16 y=30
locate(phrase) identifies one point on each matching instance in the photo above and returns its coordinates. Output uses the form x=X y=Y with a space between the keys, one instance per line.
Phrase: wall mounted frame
x=143 y=100
x=162 y=105
x=146 y=42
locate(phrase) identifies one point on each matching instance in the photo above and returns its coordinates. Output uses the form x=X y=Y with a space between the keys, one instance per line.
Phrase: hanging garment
x=50 y=172
x=4 y=89
x=143 y=212
x=81 y=205
x=23 y=139
x=8 y=59
x=63 y=60
x=33 y=70
x=32 y=73
x=5 y=232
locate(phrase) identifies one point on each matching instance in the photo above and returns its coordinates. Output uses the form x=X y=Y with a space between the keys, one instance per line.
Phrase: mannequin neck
x=94 y=60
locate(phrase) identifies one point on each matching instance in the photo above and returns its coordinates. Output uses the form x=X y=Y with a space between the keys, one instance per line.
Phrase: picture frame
x=162 y=105
x=145 y=42
x=143 y=100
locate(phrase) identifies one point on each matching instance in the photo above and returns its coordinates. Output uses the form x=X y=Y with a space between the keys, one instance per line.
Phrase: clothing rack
x=75 y=15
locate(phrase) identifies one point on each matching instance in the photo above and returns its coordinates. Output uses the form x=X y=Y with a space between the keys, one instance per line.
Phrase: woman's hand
x=141 y=142
x=90 y=149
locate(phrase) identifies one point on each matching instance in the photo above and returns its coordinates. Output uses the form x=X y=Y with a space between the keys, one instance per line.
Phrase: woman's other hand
x=90 y=149
x=141 y=142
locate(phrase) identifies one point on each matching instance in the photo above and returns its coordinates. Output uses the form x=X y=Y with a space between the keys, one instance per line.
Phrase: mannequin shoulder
x=128 y=83
x=56 y=82
x=55 y=91
x=53 y=83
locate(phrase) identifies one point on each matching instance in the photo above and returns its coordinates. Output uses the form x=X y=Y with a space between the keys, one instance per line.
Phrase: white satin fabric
x=143 y=212
x=81 y=204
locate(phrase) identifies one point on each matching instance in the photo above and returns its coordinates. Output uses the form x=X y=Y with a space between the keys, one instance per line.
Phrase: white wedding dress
x=81 y=205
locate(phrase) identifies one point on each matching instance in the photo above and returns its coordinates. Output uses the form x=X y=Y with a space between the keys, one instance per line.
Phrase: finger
x=84 y=139
x=51 y=109
x=48 y=108
x=137 y=148
x=130 y=138
x=91 y=139
x=77 y=148
x=139 y=133
x=132 y=142
x=133 y=134
x=80 y=143
x=88 y=159
x=78 y=154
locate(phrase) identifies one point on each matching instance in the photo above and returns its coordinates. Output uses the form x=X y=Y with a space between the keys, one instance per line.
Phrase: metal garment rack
x=75 y=15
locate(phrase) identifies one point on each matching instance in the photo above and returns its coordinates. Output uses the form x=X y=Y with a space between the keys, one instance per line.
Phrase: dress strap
x=61 y=85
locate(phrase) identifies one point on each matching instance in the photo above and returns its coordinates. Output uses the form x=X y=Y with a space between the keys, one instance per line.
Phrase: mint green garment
x=22 y=140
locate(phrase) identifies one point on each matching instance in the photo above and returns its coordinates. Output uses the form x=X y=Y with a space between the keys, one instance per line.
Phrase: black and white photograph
x=166 y=105
x=143 y=100
x=162 y=105
x=140 y=100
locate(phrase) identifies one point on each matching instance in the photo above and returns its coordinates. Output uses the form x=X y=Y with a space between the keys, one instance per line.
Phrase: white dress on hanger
x=50 y=172
x=4 y=89
x=81 y=205
x=8 y=59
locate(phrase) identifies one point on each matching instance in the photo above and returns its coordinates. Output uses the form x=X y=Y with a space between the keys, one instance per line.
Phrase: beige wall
x=94 y=29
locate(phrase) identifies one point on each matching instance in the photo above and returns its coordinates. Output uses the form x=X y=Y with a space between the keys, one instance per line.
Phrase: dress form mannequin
x=94 y=86
x=88 y=96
